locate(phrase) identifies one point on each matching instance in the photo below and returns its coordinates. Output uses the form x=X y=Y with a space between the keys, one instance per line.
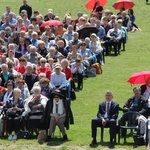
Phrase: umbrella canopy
x=86 y=32
x=51 y=23
x=139 y=77
x=126 y=4
x=90 y=4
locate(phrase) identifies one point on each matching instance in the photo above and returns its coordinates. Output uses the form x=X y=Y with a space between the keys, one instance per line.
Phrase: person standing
x=26 y=7
x=106 y=117
x=146 y=2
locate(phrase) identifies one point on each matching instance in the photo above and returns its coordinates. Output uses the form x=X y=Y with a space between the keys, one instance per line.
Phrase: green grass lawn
x=116 y=72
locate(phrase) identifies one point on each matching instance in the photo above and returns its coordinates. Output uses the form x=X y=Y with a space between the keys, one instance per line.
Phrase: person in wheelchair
x=34 y=107
x=57 y=112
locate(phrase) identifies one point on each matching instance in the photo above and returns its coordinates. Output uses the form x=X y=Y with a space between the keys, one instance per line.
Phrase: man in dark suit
x=106 y=117
x=26 y=7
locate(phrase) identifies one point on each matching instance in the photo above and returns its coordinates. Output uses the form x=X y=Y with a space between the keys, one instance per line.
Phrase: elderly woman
x=34 y=106
x=77 y=71
x=56 y=113
x=24 y=90
x=45 y=87
x=58 y=79
x=5 y=75
x=96 y=48
x=41 y=48
x=14 y=108
x=43 y=68
x=74 y=54
x=8 y=93
x=67 y=70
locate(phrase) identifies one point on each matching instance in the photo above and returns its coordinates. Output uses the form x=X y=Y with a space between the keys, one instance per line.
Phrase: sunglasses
x=43 y=62
x=56 y=97
x=9 y=85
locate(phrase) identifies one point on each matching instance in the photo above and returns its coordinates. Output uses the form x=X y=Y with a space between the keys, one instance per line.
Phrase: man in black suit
x=26 y=7
x=106 y=116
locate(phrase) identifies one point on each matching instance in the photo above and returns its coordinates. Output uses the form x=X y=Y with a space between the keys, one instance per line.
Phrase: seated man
x=136 y=103
x=106 y=117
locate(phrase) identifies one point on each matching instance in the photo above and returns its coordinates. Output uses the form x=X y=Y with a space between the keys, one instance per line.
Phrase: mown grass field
x=116 y=72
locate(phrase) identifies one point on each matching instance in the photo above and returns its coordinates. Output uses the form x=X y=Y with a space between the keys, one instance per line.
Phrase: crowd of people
x=37 y=63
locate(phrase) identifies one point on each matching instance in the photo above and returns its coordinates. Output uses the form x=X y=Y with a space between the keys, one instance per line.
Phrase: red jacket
x=45 y=70
x=21 y=70
x=68 y=73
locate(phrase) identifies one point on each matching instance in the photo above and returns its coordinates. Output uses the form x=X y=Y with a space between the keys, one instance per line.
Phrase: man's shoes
x=48 y=139
x=65 y=138
x=93 y=143
x=111 y=145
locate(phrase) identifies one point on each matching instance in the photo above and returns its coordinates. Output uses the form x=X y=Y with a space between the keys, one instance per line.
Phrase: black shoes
x=48 y=139
x=111 y=145
x=93 y=143
x=65 y=138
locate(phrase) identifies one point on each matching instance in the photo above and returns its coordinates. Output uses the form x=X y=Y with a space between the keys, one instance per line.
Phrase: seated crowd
x=38 y=66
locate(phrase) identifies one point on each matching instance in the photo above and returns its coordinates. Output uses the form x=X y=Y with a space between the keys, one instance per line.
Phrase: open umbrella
x=51 y=23
x=126 y=4
x=86 y=32
x=139 y=77
x=90 y=4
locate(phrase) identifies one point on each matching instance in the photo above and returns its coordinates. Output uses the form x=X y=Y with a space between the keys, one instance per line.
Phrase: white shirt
x=58 y=80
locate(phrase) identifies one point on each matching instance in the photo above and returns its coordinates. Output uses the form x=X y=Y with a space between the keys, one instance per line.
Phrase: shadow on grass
x=56 y=141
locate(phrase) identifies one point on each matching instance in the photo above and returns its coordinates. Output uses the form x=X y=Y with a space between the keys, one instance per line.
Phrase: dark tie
x=56 y=108
x=108 y=109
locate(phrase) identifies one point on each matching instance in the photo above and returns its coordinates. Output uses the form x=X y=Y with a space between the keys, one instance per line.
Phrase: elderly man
x=86 y=54
x=29 y=77
x=106 y=117
x=136 y=103
x=33 y=55
x=68 y=35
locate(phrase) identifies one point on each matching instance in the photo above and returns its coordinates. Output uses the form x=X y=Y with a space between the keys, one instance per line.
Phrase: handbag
x=13 y=113
x=73 y=95
x=24 y=135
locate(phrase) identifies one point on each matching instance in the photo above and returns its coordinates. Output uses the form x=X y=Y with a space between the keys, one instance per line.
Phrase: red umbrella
x=90 y=4
x=126 y=4
x=139 y=77
x=51 y=23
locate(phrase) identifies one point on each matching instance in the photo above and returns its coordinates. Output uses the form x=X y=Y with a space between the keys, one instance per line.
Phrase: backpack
x=98 y=68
